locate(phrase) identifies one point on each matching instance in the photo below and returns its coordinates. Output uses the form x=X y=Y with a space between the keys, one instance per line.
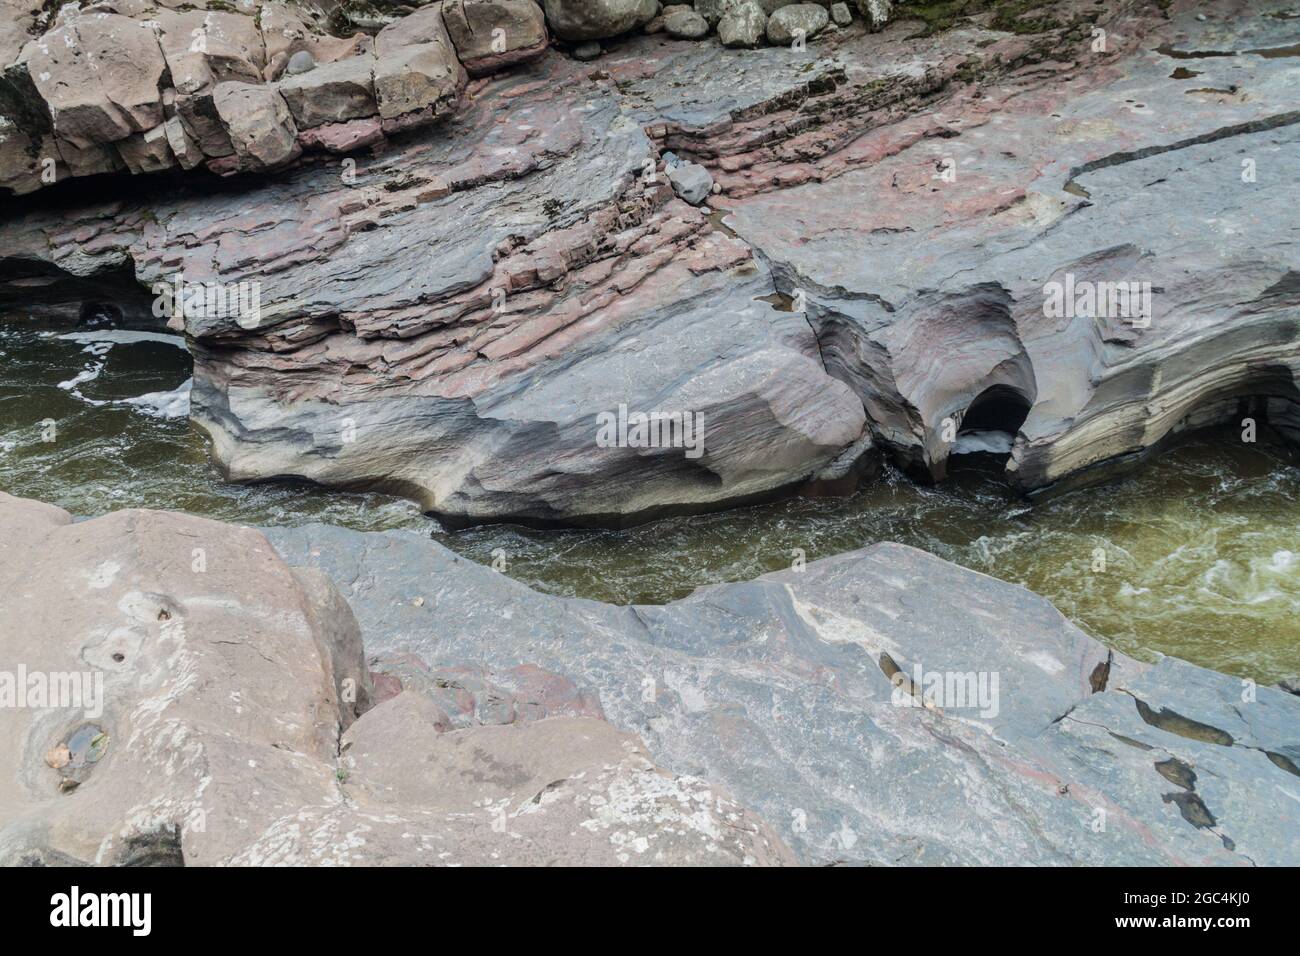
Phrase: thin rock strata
x=845 y=250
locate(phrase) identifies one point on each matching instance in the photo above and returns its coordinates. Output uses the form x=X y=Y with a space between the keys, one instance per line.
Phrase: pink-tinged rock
x=183 y=146
x=331 y=93
x=20 y=158
x=223 y=165
x=147 y=152
x=490 y=35
x=342 y=137
x=261 y=128
x=418 y=78
x=204 y=48
x=284 y=33
x=198 y=113
x=90 y=161
x=99 y=75
x=224 y=696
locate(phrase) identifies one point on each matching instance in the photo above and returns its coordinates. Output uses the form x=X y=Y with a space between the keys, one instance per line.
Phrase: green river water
x=1202 y=547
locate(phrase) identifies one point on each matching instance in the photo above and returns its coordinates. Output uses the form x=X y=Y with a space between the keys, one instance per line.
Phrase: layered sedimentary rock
x=454 y=317
x=878 y=707
x=960 y=282
x=122 y=85
x=223 y=715
x=457 y=335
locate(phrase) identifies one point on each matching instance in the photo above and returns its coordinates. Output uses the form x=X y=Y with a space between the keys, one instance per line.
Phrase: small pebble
x=300 y=62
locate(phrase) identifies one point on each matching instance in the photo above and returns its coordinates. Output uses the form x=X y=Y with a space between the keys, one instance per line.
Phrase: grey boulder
x=800 y=20
x=685 y=25
x=743 y=25
x=578 y=20
x=301 y=62
x=691 y=182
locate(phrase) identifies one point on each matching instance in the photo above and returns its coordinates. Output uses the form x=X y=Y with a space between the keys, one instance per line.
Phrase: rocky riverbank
x=449 y=314
x=319 y=695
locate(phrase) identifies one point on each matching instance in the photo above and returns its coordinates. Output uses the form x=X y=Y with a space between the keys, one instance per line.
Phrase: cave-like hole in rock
x=991 y=422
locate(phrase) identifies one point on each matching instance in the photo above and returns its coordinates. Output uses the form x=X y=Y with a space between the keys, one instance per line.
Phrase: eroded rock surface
x=810 y=695
x=927 y=249
x=450 y=316
x=226 y=723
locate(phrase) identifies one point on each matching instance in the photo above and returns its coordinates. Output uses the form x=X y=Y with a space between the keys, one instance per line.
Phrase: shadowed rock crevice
x=40 y=288
x=1175 y=723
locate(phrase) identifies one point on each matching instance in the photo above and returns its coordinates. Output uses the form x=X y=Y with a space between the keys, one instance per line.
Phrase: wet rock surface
x=229 y=719
x=1121 y=174
x=450 y=316
x=810 y=695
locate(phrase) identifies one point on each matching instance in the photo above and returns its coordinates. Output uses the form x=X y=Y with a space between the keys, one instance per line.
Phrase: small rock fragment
x=840 y=14
x=586 y=51
x=691 y=182
x=58 y=757
x=300 y=62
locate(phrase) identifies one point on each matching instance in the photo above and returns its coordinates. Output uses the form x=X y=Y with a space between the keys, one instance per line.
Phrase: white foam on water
x=173 y=404
x=111 y=337
x=1128 y=590
x=88 y=374
x=99 y=342
x=993 y=442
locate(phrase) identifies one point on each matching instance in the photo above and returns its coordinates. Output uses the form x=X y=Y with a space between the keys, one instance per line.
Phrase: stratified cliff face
x=947 y=281
x=879 y=242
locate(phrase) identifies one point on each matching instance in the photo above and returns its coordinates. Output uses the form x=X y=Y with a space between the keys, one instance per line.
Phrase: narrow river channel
x=1201 y=548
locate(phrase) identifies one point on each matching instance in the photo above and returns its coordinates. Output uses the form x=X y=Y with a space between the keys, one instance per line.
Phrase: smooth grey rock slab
x=775 y=688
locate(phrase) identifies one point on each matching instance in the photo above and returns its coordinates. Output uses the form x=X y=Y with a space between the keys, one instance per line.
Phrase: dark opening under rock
x=161 y=847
